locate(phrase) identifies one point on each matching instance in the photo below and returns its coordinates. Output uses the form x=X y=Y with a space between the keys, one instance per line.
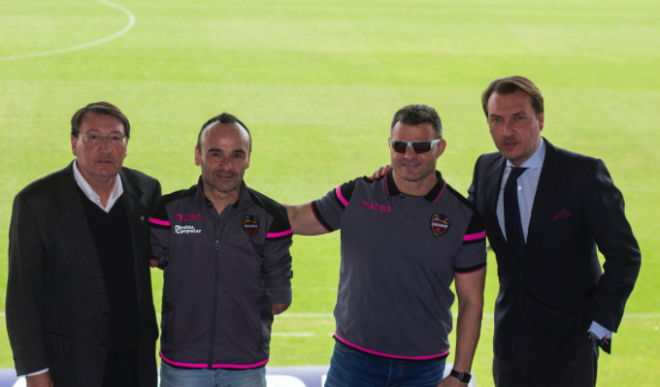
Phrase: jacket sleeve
x=157 y=193
x=472 y=191
x=24 y=289
x=607 y=223
x=159 y=233
x=276 y=267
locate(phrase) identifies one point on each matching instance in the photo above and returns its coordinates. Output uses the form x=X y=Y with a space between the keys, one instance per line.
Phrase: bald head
x=219 y=136
x=224 y=118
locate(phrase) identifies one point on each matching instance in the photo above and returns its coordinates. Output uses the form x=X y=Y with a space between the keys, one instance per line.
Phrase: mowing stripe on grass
x=131 y=22
x=293 y=334
x=489 y=315
x=627 y=315
x=329 y=315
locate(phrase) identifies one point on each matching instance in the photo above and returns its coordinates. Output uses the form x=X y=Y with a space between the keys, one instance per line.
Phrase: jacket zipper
x=215 y=294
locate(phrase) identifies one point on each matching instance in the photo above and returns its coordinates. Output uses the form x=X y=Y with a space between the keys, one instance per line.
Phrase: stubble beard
x=423 y=174
x=208 y=177
x=527 y=152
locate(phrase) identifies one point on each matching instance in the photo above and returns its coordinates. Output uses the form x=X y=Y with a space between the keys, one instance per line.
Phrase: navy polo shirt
x=398 y=259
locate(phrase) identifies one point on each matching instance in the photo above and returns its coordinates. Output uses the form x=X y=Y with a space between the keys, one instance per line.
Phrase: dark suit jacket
x=559 y=288
x=56 y=298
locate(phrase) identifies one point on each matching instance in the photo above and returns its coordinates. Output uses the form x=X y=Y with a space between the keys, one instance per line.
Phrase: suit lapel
x=493 y=183
x=548 y=193
x=74 y=224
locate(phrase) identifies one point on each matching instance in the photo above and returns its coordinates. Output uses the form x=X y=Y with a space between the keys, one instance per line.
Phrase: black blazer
x=56 y=298
x=559 y=288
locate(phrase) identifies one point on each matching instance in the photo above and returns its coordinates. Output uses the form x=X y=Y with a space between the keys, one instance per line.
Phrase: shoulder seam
x=176 y=195
x=461 y=198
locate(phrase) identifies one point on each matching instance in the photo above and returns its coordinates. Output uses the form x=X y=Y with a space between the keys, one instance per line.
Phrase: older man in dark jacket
x=79 y=304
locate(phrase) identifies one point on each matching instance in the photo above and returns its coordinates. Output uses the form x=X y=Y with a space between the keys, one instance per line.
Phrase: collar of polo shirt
x=432 y=196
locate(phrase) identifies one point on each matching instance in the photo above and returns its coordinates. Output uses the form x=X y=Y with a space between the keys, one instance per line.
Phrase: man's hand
x=153 y=263
x=278 y=308
x=382 y=171
x=451 y=381
x=41 y=380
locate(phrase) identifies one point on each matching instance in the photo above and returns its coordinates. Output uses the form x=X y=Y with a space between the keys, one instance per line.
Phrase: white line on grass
x=131 y=22
x=641 y=315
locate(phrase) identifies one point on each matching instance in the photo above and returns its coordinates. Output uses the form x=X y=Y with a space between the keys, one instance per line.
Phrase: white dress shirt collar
x=117 y=190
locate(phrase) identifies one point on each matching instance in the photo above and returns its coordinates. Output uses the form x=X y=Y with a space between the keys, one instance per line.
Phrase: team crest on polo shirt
x=251 y=225
x=439 y=224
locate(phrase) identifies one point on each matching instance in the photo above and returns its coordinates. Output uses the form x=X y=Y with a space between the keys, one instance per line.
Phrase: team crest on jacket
x=439 y=224
x=251 y=225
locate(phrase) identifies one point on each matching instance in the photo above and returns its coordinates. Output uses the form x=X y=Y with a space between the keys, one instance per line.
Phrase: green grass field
x=317 y=82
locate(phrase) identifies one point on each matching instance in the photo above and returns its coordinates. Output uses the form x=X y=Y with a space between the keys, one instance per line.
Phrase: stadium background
x=317 y=82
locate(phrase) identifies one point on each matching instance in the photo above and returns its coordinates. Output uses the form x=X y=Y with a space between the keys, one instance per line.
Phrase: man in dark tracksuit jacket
x=225 y=251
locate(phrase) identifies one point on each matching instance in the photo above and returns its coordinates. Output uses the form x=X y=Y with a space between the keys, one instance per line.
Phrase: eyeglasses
x=417 y=146
x=97 y=139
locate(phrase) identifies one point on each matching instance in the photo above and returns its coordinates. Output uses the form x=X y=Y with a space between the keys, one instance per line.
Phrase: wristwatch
x=462 y=376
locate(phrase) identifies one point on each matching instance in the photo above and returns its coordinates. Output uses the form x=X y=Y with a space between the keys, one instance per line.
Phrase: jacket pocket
x=241 y=323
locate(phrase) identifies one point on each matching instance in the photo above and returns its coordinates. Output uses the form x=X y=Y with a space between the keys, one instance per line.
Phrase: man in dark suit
x=79 y=303
x=547 y=210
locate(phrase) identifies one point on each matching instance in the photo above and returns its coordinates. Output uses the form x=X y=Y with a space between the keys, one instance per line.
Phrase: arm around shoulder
x=303 y=220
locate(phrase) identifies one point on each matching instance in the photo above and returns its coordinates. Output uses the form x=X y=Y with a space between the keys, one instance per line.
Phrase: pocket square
x=561 y=215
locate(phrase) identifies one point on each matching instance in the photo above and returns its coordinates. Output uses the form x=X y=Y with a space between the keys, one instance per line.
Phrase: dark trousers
x=517 y=372
x=121 y=369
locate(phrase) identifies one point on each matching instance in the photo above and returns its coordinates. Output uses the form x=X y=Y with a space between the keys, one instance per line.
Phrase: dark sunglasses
x=417 y=146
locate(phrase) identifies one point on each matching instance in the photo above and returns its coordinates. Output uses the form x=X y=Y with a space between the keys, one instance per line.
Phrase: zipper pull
x=217 y=244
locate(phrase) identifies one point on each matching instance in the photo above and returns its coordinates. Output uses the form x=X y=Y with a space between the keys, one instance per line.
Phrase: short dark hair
x=99 y=108
x=224 y=118
x=413 y=115
x=510 y=85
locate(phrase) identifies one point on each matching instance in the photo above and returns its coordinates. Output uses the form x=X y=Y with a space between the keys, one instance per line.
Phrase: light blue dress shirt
x=527 y=184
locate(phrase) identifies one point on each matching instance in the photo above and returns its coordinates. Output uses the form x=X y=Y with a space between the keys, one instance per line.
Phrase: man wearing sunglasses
x=404 y=239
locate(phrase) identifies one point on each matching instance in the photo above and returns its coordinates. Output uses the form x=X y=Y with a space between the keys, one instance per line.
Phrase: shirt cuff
x=39 y=372
x=599 y=330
